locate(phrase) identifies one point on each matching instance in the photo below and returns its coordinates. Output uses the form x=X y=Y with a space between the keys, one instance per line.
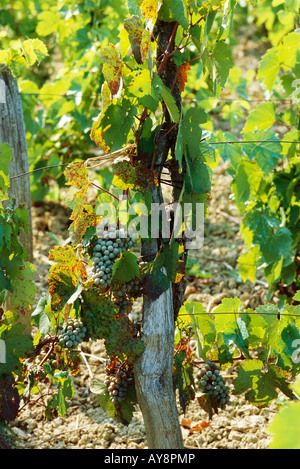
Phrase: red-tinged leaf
x=112 y=67
x=149 y=9
x=84 y=217
x=67 y=262
x=65 y=275
x=127 y=176
x=76 y=175
x=145 y=44
x=62 y=290
x=182 y=75
x=139 y=38
x=97 y=133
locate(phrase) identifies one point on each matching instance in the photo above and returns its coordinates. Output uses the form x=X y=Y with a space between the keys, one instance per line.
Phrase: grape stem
x=46 y=356
x=104 y=190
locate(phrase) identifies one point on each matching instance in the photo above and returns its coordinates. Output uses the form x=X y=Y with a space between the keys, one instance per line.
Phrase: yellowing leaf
x=83 y=215
x=65 y=276
x=138 y=176
x=35 y=50
x=145 y=44
x=76 y=175
x=112 y=67
x=66 y=261
x=149 y=9
x=105 y=94
x=124 y=43
x=119 y=114
x=97 y=132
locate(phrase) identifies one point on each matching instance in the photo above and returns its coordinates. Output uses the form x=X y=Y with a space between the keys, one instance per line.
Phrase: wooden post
x=12 y=131
x=153 y=370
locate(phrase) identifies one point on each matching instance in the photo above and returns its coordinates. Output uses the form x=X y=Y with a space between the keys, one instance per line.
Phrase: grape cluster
x=110 y=244
x=123 y=293
x=210 y=381
x=118 y=378
x=72 y=334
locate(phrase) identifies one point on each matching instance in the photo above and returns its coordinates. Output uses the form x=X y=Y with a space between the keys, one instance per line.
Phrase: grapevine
x=141 y=103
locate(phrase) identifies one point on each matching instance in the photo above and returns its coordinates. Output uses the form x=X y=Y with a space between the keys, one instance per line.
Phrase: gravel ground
x=86 y=425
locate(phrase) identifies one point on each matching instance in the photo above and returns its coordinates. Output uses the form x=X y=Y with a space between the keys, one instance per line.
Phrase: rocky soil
x=86 y=425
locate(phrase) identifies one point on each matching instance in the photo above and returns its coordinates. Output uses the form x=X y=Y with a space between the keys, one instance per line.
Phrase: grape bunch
x=72 y=334
x=118 y=378
x=210 y=381
x=108 y=247
x=123 y=293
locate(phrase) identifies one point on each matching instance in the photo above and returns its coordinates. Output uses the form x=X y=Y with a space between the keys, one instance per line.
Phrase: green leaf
x=269 y=67
x=170 y=103
x=156 y=281
x=126 y=268
x=24 y=288
x=247 y=264
x=48 y=22
x=13 y=60
x=224 y=312
x=261 y=118
x=198 y=177
x=40 y=317
x=203 y=325
x=5 y=157
x=147 y=91
x=247 y=179
x=118 y=115
x=123 y=411
x=284 y=428
x=262 y=222
x=260 y=385
x=266 y=153
x=178 y=9
x=277 y=244
x=18 y=346
x=236 y=332
x=223 y=61
x=190 y=133
x=297 y=296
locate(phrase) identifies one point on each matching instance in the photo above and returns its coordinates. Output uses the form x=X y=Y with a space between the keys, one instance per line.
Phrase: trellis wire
x=245 y=313
x=90 y=95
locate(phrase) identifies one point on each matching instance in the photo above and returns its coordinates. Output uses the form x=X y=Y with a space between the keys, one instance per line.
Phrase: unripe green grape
x=211 y=382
